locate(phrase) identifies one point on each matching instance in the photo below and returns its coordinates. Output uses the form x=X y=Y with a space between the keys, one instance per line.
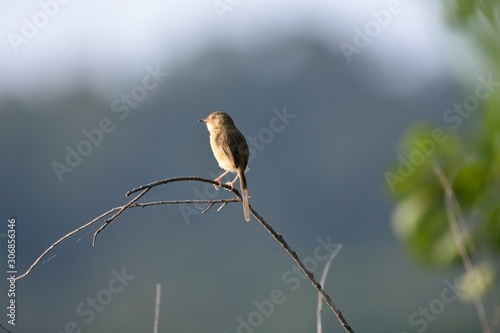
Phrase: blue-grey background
x=319 y=174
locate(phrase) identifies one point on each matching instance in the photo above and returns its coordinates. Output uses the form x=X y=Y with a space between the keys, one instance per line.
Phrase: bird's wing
x=235 y=147
x=224 y=143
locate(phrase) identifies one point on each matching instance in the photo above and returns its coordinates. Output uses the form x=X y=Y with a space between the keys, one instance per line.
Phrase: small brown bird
x=230 y=150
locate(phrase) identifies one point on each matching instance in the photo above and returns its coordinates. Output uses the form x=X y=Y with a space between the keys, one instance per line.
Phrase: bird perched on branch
x=230 y=150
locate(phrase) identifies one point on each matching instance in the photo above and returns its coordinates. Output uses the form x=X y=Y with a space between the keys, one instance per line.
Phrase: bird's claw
x=219 y=184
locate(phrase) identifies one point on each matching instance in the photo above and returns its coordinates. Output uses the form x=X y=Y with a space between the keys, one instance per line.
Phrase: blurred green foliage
x=480 y=20
x=471 y=165
x=419 y=218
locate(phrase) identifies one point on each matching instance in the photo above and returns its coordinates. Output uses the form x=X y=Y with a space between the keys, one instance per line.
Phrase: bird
x=230 y=150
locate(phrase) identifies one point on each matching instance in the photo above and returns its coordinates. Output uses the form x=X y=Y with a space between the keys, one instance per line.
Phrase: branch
x=304 y=269
x=182 y=179
x=322 y=282
x=157 y=308
x=122 y=209
x=6 y=330
x=147 y=187
x=50 y=248
x=452 y=210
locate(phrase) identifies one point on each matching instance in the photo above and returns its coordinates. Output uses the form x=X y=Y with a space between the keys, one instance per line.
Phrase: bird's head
x=217 y=119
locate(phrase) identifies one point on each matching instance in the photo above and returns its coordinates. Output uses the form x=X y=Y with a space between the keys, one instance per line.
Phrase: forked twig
x=147 y=187
x=310 y=276
x=68 y=235
x=120 y=211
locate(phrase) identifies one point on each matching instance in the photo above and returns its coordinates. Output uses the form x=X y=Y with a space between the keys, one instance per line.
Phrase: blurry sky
x=320 y=176
x=115 y=37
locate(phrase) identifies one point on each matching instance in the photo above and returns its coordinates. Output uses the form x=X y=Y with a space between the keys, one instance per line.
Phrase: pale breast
x=221 y=157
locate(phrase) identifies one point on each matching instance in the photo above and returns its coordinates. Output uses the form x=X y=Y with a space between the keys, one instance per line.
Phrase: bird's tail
x=244 y=195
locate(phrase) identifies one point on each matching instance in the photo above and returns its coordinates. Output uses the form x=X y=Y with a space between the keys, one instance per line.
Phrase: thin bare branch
x=452 y=209
x=310 y=276
x=145 y=188
x=157 y=308
x=178 y=202
x=222 y=206
x=6 y=330
x=322 y=281
x=181 y=179
x=118 y=213
x=135 y=205
x=68 y=235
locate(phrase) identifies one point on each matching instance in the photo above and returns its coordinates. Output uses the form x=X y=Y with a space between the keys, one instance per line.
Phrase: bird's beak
x=202 y=120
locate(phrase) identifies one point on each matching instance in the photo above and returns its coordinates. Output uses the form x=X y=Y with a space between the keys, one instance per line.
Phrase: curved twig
x=310 y=276
x=68 y=235
x=322 y=281
x=182 y=179
x=147 y=187
x=122 y=209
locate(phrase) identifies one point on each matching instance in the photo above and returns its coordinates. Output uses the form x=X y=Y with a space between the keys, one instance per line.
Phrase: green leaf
x=477 y=282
